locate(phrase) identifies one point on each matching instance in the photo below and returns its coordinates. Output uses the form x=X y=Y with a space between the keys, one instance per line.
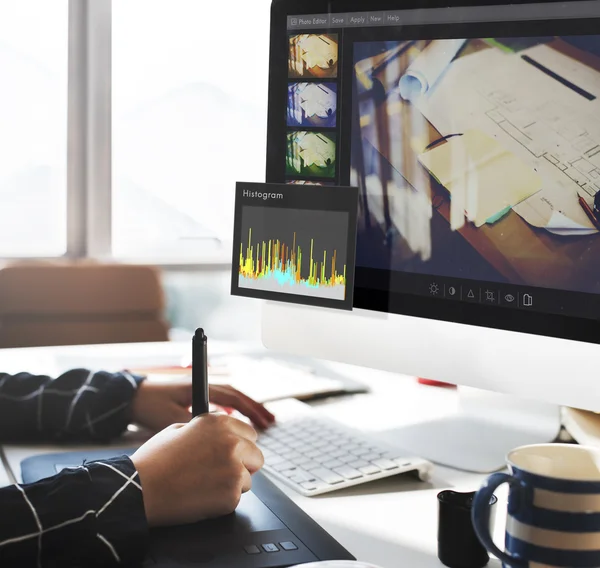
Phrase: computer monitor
x=473 y=134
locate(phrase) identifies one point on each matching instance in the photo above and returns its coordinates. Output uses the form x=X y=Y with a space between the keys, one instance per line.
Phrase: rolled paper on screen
x=422 y=75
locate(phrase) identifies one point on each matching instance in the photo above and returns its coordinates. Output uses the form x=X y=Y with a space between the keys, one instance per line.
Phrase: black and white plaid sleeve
x=89 y=516
x=83 y=517
x=80 y=405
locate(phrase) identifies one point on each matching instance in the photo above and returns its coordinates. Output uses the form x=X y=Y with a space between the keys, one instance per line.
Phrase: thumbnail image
x=308 y=182
x=312 y=104
x=313 y=55
x=294 y=251
x=479 y=159
x=311 y=154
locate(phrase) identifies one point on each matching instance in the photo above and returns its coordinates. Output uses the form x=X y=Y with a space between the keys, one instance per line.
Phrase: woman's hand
x=160 y=403
x=195 y=471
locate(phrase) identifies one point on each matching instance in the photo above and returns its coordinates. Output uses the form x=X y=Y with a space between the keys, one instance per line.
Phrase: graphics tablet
x=267 y=529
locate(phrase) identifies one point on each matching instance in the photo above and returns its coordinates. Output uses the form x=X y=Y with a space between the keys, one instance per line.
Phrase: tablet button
x=288 y=545
x=252 y=549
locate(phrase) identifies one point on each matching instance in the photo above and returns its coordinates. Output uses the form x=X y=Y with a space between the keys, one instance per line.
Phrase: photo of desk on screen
x=474 y=155
x=295 y=243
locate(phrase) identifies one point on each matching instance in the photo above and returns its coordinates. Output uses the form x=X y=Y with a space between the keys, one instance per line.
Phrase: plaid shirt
x=89 y=516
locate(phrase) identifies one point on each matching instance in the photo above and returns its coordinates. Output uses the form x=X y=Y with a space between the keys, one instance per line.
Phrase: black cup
x=458 y=545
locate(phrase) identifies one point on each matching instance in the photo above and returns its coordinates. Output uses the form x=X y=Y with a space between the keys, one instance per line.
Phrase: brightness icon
x=434 y=289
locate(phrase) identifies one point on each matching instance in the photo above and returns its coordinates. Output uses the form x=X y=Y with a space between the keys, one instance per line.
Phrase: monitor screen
x=473 y=135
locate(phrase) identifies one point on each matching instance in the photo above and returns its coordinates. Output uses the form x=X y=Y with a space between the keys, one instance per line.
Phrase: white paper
x=559 y=224
x=427 y=69
x=578 y=73
x=548 y=125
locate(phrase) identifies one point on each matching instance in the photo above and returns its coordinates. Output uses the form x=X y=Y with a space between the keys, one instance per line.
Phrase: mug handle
x=481 y=513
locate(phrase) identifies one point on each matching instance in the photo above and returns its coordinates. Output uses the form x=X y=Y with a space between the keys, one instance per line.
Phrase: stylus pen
x=199 y=374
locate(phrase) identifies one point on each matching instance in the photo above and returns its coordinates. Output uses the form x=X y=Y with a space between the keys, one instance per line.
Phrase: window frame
x=89 y=146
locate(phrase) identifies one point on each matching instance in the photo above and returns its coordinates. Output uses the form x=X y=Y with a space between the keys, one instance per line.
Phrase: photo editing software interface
x=295 y=244
x=474 y=144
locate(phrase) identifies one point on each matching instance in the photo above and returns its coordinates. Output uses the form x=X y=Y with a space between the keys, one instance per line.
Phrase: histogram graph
x=276 y=267
x=294 y=251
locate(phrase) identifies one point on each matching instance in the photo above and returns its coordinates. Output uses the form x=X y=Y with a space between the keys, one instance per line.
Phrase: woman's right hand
x=194 y=471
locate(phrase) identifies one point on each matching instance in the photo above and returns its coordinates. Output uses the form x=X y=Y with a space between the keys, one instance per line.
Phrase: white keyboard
x=315 y=455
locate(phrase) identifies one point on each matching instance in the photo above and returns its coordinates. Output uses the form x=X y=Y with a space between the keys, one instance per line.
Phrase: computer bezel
x=496 y=317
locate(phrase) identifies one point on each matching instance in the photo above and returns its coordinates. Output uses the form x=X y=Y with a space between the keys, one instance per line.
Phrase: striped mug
x=553 y=507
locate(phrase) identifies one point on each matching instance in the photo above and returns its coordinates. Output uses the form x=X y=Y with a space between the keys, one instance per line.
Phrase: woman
x=99 y=514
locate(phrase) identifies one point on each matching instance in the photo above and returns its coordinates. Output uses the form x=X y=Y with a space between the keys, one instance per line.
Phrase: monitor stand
x=480 y=435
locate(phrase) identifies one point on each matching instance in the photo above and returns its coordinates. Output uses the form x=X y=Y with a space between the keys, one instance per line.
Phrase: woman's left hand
x=160 y=403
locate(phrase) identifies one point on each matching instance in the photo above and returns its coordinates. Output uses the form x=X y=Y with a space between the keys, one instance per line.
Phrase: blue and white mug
x=553 y=507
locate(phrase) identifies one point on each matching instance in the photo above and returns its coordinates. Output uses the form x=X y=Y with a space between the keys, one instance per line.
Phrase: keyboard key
x=337 y=453
x=291 y=455
x=333 y=463
x=289 y=545
x=309 y=486
x=320 y=444
x=327 y=476
x=252 y=549
x=302 y=460
x=301 y=476
x=370 y=456
x=401 y=461
x=348 y=472
x=385 y=464
x=270 y=547
x=290 y=472
x=314 y=453
x=358 y=463
x=284 y=466
x=311 y=465
x=274 y=460
x=359 y=451
x=348 y=458
x=369 y=469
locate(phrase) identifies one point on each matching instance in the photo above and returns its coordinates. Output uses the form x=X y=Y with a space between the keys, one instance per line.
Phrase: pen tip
x=199 y=334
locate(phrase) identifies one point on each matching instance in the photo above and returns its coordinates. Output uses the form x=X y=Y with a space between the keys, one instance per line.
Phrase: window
x=33 y=127
x=189 y=104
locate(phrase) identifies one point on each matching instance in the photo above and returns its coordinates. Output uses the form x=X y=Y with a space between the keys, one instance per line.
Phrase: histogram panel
x=293 y=251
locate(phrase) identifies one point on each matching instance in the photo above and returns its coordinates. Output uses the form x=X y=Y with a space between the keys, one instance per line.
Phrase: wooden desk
x=519 y=253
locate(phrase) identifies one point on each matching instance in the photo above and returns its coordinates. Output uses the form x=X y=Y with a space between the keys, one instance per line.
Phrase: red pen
x=588 y=211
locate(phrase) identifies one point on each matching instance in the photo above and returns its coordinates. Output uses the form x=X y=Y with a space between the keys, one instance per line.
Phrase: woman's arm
x=89 y=516
x=97 y=515
x=80 y=405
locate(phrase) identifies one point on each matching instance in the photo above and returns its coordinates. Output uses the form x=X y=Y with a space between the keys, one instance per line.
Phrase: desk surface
x=507 y=245
x=392 y=522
